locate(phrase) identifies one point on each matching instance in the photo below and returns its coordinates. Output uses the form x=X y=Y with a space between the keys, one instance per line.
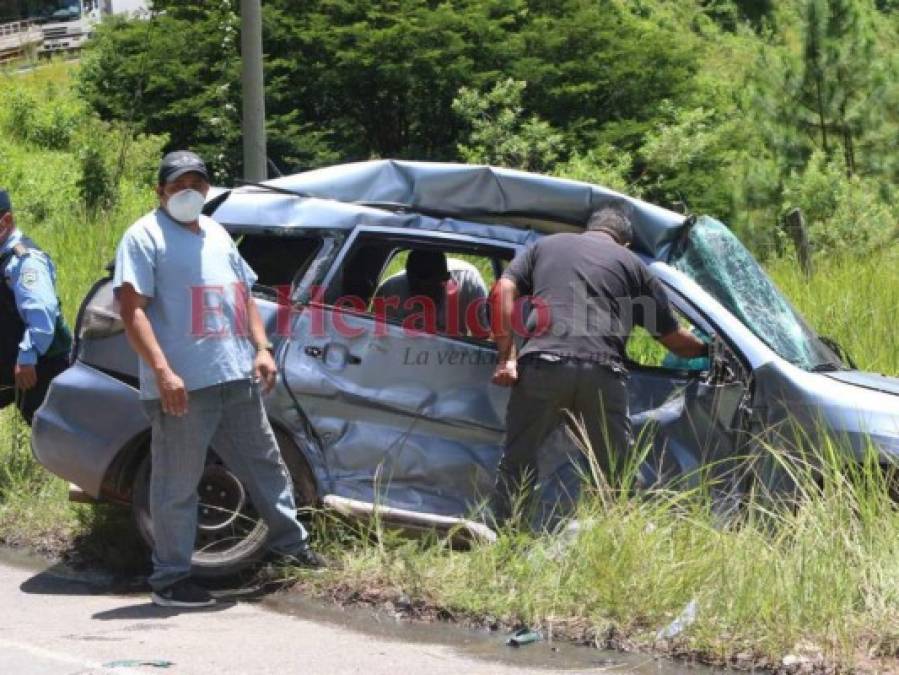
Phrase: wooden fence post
x=794 y=224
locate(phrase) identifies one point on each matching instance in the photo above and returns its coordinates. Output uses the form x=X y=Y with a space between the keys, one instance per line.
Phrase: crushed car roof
x=451 y=197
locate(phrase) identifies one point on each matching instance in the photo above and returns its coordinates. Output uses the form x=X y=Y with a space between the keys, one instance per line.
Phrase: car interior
x=278 y=261
x=373 y=260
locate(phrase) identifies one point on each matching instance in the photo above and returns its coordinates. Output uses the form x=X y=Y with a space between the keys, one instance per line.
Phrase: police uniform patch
x=28 y=278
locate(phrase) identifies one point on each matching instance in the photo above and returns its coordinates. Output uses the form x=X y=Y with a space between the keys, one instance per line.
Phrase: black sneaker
x=184 y=593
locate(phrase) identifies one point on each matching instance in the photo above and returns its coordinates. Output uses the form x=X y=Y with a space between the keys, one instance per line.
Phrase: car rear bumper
x=86 y=419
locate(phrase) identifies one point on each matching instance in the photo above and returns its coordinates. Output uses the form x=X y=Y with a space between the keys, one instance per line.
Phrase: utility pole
x=254 y=153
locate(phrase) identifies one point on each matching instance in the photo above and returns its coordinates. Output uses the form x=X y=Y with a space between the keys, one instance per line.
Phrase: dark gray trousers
x=548 y=394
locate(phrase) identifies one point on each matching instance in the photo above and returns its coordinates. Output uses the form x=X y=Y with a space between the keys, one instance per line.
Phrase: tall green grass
x=853 y=300
x=814 y=575
x=46 y=135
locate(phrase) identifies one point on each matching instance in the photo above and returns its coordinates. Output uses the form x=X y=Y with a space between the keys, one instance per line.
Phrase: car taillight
x=100 y=317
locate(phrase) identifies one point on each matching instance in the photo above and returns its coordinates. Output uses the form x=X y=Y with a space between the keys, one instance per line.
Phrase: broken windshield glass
x=715 y=259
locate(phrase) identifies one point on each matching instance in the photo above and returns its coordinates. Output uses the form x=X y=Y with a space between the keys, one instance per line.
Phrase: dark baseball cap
x=5 y=203
x=178 y=163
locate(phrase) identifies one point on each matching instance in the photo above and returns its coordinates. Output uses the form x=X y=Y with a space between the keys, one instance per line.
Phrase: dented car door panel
x=419 y=408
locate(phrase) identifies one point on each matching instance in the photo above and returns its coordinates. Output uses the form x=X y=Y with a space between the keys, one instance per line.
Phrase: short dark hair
x=614 y=220
x=426 y=265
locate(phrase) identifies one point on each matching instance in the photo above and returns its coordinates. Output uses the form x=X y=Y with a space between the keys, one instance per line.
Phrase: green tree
x=601 y=70
x=500 y=134
x=836 y=78
x=171 y=75
x=380 y=78
x=352 y=79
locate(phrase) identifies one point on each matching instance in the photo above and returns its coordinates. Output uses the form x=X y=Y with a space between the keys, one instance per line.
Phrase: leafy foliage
x=717 y=106
x=499 y=135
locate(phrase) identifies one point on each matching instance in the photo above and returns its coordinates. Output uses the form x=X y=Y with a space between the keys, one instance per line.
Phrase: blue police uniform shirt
x=197 y=285
x=32 y=279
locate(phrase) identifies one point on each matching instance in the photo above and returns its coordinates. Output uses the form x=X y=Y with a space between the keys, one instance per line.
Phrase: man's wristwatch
x=265 y=345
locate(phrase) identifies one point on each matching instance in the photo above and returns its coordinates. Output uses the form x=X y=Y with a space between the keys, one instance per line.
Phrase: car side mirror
x=839 y=350
x=720 y=368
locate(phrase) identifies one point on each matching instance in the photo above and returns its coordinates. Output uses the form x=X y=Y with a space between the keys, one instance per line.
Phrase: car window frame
x=411 y=235
x=680 y=373
x=237 y=232
x=701 y=319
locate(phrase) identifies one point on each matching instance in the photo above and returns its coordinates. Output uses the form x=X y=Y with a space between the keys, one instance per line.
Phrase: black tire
x=230 y=534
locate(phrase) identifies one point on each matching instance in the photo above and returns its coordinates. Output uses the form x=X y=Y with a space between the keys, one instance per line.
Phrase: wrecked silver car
x=367 y=411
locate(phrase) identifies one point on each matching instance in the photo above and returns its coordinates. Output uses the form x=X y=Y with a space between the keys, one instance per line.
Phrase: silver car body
x=393 y=418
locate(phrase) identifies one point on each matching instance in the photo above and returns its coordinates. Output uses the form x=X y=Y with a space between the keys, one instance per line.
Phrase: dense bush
x=48 y=123
x=75 y=180
x=846 y=214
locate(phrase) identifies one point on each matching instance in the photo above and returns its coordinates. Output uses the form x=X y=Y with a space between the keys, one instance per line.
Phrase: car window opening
x=451 y=282
x=278 y=261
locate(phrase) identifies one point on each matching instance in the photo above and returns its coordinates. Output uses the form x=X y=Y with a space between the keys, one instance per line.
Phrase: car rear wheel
x=231 y=535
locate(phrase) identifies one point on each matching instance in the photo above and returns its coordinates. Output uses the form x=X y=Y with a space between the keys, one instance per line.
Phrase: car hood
x=889 y=385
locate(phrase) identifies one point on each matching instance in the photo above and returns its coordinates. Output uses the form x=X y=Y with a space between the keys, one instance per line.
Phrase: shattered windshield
x=715 y=259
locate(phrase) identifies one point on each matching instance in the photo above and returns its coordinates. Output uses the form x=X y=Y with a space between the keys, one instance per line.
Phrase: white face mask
x=185 y=206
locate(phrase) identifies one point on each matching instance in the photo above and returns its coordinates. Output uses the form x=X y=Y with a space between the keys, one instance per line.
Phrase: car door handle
x=333 y=354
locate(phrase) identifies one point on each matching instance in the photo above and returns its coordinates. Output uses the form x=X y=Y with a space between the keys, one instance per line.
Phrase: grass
x=814 y=577
x=852 y=300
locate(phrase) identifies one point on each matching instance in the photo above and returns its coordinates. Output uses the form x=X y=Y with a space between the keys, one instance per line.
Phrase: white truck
x=68 y=24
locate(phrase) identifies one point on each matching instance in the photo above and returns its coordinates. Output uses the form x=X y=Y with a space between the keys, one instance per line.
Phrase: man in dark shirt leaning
x=590 y=290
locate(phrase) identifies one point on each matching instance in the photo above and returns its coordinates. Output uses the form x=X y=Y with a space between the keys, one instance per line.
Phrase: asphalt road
x=55 y=622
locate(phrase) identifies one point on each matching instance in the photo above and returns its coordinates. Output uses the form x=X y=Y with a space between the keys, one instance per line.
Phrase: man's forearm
x=683 y=343
x=143 y=340
x=505 y=348
x=257 y=327
x=505 y=295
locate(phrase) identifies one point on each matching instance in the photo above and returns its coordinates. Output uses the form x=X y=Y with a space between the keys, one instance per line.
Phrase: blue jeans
x=231 y=419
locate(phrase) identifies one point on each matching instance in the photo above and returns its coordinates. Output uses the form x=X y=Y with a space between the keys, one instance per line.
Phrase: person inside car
x=437 y=295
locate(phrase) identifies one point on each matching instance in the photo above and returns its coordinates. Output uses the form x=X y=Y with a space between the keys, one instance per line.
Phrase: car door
x=404 y=417
x=689 y=416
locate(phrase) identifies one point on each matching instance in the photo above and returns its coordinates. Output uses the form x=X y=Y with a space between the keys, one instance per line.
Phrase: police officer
x=34 y=339
x=592 y=290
